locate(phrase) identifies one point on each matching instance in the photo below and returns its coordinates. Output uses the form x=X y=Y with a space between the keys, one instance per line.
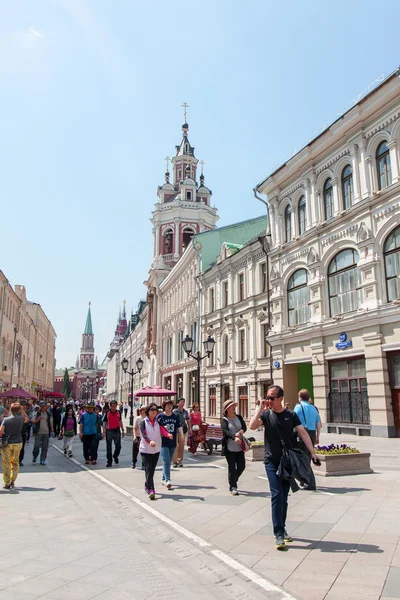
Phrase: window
x=169 y=351
x=264 y=342
x=383 y=166
x=348 y=397
x=347 y=187
x=225 y=297
x=242 y=345
x=392 y=264
x=212 y=401
x=241 y=286
x=225 y=350
x=263 y=277
x=288 y=224
x=328 y=199
x=188 y=194
x=344 y=282
x=181 y=352
x=243 y=402
x=211 y=301
x=179 y=174
x=301 y=211
x=298 y=298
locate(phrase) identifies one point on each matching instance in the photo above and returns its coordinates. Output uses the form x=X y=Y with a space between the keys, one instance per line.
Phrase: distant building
x=87 y=379
x=27 y=341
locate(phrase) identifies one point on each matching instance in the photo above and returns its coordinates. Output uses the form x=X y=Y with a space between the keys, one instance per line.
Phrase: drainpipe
x=267 y=207
x=197 y=250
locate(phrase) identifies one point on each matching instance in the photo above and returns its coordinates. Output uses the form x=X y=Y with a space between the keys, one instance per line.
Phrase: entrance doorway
x=297 y=377
x=394 y=380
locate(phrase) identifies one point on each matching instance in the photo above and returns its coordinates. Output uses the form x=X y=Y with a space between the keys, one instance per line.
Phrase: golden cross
x=167 y=158
x=185 y=105
x=202 y=163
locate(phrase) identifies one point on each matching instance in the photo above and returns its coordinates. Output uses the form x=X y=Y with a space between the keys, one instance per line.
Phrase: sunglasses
x=273 y=397
x=152 y=409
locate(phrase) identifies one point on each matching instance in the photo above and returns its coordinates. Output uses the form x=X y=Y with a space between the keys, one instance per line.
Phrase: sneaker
x=288 y=538
x=146 y=490
x=70 y=454
x=168 y=484
x=34 y=459
x=109 y=465
x=7 y=487
x=175 y=465
x=234 y=492
x=163 y=482
x=94 y=462
x=152 y=495
x=12 y=485
x=133 y=466
x=87 y=462
x=21 y=464
x=116 y=460
x=65 y=451
x=280 y=542
x=180 y=465
x=42 y=462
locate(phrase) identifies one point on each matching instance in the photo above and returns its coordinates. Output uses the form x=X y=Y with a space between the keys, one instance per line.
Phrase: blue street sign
x=277 y=364
x=344 y=345
x=343 y=337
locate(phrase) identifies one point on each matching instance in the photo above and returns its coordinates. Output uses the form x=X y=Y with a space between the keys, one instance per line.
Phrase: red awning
x=53 y=395
x=17 y=393
x=153 y=390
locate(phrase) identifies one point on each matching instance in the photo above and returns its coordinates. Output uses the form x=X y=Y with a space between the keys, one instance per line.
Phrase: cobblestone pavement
x=105 y=538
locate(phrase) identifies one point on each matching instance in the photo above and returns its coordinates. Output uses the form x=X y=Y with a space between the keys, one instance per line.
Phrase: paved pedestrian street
x=71 y=531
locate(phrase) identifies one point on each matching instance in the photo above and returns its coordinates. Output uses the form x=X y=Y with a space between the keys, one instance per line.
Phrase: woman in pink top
x=197 y=429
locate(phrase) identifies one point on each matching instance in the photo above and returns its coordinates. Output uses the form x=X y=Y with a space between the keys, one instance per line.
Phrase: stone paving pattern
x=346 y=534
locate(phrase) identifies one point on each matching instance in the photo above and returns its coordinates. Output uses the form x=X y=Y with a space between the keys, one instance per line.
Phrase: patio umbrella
x=17 y=393
x=153 y=390
x=53 y=395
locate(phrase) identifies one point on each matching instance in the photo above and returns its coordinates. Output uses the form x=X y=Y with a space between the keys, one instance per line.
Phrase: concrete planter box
x=334 y=465
x=256 y=453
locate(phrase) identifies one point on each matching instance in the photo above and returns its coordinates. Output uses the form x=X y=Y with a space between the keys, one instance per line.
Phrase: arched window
x=225 y=350
x=392 y=264
x=347 y=187
x=383 y=166
x=328 y=199
x=298 y=298
x=288 y=224
x=344 y=282
x=301 y=212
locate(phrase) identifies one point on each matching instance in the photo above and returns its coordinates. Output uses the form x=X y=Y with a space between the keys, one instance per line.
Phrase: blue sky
x=91 y=104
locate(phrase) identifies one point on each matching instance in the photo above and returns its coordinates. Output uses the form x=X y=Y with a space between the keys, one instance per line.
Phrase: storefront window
x=243 y=402
x=213 y=401
x=348 y=397
x=395 y=370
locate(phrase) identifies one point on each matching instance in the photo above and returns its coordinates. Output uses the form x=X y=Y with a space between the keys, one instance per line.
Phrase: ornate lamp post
x=187 y=345
x=139 y=366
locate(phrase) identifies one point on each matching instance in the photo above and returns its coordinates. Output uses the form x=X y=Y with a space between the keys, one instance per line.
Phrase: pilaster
x=379 y=396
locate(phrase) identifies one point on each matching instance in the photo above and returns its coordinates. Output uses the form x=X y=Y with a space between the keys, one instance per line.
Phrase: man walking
x=112 y=429
x=43 y=429
x=278 y=423
x=183 y=415
x=88 y=434
x=311 y=421
x=56 y=414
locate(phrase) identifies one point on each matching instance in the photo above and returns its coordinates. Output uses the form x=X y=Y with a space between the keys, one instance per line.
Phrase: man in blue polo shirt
x=88 y=433
x=311 y=421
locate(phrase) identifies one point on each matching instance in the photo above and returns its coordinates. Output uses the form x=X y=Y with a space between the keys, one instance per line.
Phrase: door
x=394 y=378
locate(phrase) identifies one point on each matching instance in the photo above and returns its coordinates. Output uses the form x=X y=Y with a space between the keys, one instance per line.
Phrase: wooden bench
x=214 y=437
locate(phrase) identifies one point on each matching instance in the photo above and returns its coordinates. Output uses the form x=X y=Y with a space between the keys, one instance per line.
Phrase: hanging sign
x=343 y=342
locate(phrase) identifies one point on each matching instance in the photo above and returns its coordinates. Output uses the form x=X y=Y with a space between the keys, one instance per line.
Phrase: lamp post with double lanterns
x=187 y=345
x=139 y=366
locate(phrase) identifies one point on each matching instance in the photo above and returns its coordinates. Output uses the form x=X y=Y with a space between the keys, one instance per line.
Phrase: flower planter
x=334 y=465
x=256 y=453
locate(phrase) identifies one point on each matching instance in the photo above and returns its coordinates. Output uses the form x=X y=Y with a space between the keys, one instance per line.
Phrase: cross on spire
x=202 y=163
x=185 y=105
x=167 y=159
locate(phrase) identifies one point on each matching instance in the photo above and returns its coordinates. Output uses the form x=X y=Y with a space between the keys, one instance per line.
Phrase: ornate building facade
x=335 y=268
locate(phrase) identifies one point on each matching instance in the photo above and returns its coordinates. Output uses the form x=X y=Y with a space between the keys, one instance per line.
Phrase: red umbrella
x=53 y=395
x=153 y=390
x=17 y=393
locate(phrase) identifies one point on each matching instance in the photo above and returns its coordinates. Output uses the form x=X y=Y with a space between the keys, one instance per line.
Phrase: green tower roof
x=88 y=326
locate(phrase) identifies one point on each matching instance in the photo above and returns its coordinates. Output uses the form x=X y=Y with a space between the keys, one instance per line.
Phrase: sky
x=91 y=95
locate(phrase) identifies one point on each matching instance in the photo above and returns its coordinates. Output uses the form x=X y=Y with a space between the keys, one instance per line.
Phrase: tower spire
x=88 y=326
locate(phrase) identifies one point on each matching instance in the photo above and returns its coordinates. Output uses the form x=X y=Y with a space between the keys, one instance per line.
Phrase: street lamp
x=187 y=345
x=139 y=366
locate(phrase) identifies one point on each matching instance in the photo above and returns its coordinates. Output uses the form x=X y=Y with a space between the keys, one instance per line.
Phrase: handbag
x=246 y=445
x=4 y=441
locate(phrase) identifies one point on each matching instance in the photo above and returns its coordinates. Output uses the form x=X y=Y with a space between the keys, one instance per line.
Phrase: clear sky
x=91 y=94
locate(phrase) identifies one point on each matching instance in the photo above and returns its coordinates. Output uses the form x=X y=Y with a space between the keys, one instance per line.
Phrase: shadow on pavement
x=339 y=490
x=330 y=546
x=179 y=497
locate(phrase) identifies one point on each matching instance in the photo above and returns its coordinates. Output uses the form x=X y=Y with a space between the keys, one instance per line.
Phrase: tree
x=66 y=388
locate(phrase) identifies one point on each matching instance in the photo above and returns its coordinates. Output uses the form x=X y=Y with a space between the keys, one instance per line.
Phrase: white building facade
x=335 y=268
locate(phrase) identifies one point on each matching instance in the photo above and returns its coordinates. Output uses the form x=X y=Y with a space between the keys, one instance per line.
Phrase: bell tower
x=183 y=207
x=87 y=349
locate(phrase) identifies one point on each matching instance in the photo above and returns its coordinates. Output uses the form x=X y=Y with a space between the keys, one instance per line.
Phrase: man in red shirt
x=112 y=429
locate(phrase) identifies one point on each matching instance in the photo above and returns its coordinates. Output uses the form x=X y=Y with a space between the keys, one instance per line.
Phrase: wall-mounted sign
x=277 y=364
x=343 y=342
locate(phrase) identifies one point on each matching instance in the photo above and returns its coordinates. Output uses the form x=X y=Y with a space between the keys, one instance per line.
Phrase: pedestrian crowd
x=289 y=440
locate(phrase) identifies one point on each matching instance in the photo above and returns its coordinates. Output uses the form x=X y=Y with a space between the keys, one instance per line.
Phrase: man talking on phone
x=278 y=423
